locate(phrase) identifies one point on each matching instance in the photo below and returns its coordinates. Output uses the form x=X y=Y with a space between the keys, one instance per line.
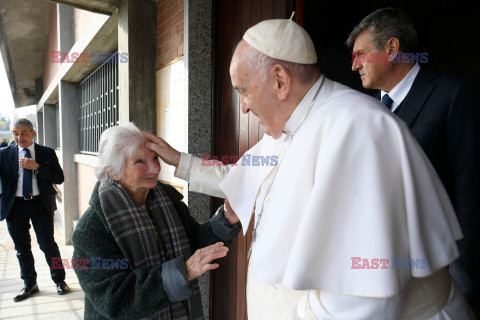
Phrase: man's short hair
x=22 y=122
x=384 y=24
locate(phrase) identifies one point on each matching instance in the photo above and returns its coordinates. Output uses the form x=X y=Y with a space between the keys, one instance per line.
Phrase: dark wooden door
x=235 y=133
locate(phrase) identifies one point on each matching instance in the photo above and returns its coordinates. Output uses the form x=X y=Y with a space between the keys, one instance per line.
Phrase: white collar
x=297 y=114
x=400 y=91
x=30 y=148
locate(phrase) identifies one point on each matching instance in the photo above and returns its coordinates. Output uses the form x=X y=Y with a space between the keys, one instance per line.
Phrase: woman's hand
x=163 y=149
x=229 y=214
x=199 y=263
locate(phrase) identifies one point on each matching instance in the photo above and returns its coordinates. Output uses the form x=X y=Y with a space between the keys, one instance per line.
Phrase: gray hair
x=384 y=24
x=22 y=122
x=262 y=64
x=117 y=144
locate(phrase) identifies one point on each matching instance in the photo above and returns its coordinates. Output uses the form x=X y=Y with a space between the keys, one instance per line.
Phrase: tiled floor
x=46 y=304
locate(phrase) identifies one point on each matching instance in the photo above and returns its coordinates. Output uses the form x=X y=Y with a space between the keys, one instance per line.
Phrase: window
x=98 y=104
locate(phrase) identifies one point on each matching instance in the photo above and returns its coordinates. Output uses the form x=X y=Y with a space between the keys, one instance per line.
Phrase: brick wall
x=86 y=183
x=169 y=31
x=50 y=69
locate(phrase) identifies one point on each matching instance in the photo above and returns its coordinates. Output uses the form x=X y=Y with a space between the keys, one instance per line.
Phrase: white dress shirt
x=21 y=154
x=400 y=91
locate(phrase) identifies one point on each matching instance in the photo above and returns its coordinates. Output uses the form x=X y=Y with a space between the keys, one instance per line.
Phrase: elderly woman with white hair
x=137 y=248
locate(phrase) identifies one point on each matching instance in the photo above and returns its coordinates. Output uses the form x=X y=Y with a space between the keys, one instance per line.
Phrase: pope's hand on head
x=163 y=149
x=201 y=260
x=28 y=163
x=229 y=214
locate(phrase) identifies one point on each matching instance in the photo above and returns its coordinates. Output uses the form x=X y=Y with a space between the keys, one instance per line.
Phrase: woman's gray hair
x=117 y=144
x=384 y=24
x=261 y=64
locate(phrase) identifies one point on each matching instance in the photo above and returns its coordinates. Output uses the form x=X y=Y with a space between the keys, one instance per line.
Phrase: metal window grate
x=98 y=104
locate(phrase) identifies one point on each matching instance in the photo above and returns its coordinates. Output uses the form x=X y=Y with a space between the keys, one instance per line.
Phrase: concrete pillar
x=38 y=95
x=137 y=21
x=69 y=145
x=65 y=27
x=40 y=139
x=198 y=63
x=49 y=126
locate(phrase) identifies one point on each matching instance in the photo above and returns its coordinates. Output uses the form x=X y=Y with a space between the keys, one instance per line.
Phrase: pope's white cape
x=354 y=183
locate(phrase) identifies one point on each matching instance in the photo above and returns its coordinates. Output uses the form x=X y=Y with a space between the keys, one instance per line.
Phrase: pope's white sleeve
x=203 y=175
x=329 y=306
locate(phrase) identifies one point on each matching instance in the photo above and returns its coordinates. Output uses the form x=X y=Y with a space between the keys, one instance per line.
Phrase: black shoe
x=26 y=293
x=62 y=288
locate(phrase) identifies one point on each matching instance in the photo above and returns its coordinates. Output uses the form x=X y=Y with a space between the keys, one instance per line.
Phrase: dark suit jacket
x=49 y=172
x=443 y=114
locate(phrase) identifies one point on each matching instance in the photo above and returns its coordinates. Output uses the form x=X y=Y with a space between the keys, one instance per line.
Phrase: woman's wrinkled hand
x=168 y=154
x=229 y=214
x=201 y=260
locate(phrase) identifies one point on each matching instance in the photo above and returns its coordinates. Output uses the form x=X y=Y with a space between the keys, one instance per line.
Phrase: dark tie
x=387 y=101
x=27 y=179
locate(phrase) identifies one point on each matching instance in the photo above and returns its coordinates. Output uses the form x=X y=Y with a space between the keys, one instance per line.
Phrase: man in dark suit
x=443 y=114
x=27 y=173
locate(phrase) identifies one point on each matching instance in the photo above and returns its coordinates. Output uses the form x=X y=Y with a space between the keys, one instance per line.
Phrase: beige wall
x=170 y=89
x=81 y=18
x=172 y=116
x=86 y=183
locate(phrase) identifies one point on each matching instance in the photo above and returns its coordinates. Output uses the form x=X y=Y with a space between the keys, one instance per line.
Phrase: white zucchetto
x=282 y=39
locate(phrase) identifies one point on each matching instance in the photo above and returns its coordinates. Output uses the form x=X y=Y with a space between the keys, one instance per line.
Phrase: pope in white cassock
x=353 y=222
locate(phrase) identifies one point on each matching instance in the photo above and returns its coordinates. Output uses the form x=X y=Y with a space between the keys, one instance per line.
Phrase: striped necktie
x=27 y=179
